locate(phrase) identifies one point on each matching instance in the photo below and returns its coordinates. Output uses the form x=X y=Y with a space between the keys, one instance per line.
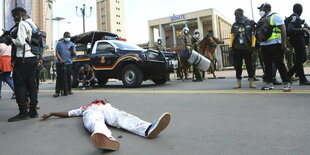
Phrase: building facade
x=111 y=16
x=206 y=21
x=42 y=15
x=37 y=10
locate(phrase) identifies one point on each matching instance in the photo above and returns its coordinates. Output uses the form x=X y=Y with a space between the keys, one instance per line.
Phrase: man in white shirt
x=274 y=48
x=25 y=62
x=99 y=112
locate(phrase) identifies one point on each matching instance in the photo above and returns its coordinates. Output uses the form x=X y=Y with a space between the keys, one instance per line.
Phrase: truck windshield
x=126 y=46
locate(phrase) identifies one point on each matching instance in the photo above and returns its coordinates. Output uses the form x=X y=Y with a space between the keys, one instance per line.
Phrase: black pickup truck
x=113 y=58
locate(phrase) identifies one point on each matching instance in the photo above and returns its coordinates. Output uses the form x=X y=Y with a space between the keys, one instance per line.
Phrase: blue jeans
x=6 y=78
x=86 y=78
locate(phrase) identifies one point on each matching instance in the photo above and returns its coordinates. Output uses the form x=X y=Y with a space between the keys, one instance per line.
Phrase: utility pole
x=252 y=10
x=83 y=14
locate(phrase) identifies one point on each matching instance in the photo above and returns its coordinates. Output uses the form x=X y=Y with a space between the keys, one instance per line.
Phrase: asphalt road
x=208 y=118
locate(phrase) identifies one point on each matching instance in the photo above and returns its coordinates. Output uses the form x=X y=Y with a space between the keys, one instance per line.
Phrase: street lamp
x=58 y=19
x=83 y=14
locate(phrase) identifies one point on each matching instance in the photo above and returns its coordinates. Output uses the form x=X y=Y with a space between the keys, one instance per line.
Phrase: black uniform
x=297 y=40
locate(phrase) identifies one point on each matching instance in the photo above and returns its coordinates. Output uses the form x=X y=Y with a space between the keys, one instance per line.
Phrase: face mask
x=197 y=35
x=159 y=42
x=262 y=13
x=186 y=32
x=67 y=39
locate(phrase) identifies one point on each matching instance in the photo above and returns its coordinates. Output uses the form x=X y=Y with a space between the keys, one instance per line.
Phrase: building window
x=102 y=9
x=103 y=16
x=103 y=23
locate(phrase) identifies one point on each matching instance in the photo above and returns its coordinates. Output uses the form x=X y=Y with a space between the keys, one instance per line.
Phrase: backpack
x=264 y=30
x=37 y=42
x=286 y=22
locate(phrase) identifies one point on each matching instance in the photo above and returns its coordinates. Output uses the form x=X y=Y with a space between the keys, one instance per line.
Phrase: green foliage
x=50 y=3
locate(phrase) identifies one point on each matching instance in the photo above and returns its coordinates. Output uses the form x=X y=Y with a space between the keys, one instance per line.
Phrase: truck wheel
x=102 y=81
x=161 y=80
x=132 y=76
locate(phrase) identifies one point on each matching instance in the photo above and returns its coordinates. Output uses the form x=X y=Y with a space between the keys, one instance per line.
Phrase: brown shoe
x=104 y=142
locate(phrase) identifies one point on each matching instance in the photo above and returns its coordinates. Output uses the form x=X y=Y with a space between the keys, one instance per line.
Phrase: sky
x=139 y=12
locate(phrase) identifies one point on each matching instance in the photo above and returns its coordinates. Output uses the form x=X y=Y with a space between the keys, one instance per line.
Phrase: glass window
x=104 y=47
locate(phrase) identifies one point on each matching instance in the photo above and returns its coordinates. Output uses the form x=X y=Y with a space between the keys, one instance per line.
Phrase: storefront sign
x=177 y=17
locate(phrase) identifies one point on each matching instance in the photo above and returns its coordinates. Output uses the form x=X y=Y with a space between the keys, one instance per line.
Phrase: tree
x=50 y=3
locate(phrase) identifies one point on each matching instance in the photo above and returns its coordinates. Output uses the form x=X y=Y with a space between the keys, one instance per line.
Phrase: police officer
x=25 y=63
x=297 y=40
x=242 y=43
x=195 y=46
x=159 y=45
x=187 y=49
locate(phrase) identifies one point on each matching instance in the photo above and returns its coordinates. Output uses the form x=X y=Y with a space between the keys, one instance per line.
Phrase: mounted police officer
x=195 y=46
x=297 y=39
x=242 y=43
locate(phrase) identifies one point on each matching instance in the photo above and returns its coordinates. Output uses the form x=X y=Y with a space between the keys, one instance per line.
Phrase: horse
x=183 y=66
x=207 y=47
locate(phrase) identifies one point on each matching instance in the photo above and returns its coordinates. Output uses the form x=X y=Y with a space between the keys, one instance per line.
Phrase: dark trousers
x=298 y=67
x=63 y=79
x=24 y=77
x=239 y=56
x=274 y=53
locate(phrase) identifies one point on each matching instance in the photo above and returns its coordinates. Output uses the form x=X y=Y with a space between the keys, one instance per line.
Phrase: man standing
x=297 y=40
x=242 y=42
x=274 y=47
x=25 y=63
x=195 y=46
x=65 y=50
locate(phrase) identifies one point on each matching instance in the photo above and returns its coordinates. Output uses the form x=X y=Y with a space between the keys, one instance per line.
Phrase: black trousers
x=238 y=57
x=274 y=53
x=63 y=79
x=301 y=57
x=24 y=77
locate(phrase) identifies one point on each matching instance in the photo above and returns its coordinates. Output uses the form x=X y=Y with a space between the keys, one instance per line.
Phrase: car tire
x=132 y=76
x=102 y=81
x=161 y=80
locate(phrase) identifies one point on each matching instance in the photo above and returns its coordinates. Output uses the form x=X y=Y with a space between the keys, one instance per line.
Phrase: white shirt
x=87 y=109
x=277 y=22
x=24 y=32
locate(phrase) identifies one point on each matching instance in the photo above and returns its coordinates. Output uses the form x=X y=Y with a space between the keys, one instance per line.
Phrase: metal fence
x=227 y=57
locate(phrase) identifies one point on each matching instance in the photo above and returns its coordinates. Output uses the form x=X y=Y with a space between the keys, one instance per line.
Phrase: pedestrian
x=100 y=112
x=274 y=47
x=195 y=46
x=25 y=63
x=43 y=72
x=65 y=50
x=242 y=42
x=87 y=76
x=6 y=67
x=296 y=34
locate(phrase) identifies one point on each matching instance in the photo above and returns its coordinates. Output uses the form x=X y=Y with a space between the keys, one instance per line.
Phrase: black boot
x=33 y=111
x=23 y=114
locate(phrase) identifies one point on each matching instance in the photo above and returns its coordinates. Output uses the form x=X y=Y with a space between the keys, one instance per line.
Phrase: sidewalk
x=220 y=74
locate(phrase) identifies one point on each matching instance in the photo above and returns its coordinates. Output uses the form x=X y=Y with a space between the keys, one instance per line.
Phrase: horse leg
x=213 y=68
